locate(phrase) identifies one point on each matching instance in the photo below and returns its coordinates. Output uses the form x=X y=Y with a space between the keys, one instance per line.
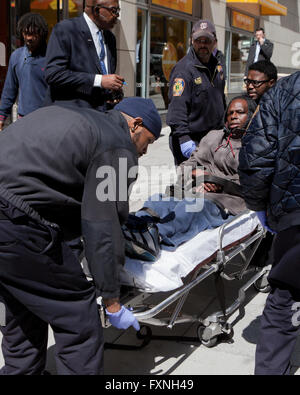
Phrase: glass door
x=240 y=44
x=141 y=54
x=169 y=42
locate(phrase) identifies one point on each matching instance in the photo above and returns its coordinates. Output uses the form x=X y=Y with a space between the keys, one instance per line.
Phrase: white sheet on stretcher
x=166 y=273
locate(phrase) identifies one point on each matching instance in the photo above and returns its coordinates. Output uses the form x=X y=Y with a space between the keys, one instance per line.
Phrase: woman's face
x=237 y=114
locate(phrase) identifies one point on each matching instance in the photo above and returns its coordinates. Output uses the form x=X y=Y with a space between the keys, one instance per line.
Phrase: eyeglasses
x=202 y=40
x=255 y=83
x=112 y=10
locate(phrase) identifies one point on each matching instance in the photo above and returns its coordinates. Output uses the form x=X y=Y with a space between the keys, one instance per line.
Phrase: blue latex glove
x=262 y=216
x=187 y=148
x=123 y=319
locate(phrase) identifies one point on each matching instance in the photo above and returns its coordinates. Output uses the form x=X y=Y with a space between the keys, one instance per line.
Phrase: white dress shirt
x=257 y=51
x=94 y=32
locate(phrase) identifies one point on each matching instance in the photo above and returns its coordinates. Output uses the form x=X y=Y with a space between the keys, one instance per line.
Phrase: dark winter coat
x=269 y=166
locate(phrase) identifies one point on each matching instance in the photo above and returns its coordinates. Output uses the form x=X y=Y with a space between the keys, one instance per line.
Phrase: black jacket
x=222 y=61
x=56 y=164
x=269 y=166
x=72 y=63
x=196 y=99
x=265 y=53
x=200 y=106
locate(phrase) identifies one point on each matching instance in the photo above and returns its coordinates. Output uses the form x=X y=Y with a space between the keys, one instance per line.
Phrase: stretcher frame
x=216 y=325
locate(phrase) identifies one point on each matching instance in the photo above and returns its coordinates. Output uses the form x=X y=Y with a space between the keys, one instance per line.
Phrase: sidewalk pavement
x=164 y=357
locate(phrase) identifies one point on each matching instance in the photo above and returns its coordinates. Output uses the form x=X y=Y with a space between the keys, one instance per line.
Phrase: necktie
x=102 y=53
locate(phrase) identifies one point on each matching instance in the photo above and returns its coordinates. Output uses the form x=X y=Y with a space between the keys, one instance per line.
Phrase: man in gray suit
x=261 y=49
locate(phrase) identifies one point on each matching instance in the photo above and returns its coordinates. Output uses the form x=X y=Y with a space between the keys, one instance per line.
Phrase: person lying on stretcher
x=216 y=158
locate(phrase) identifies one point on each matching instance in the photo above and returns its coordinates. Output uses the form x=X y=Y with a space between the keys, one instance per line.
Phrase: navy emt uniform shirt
x=196 y=97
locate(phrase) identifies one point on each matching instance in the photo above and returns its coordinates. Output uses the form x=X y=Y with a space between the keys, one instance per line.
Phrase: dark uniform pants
x=280 y=320
x=41 y=283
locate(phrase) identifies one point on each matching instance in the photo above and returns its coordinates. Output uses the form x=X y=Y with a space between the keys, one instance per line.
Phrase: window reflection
x=169 y=42
x=239 y=54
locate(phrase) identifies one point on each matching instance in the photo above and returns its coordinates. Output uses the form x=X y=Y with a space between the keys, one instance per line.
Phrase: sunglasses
x=255 y=83
x=202 y=40
x=112 y=10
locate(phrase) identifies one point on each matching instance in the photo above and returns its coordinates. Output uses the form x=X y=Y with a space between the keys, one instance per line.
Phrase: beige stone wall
x=215 y=10
x=126 y=34
x=285 y=34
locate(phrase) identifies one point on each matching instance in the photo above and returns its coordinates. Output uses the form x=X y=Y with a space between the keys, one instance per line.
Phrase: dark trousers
x=176 y=151
x=41 y=283
x=279 y=323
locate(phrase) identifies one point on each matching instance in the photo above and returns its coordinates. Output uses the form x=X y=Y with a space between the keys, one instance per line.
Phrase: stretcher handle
x=228 y=223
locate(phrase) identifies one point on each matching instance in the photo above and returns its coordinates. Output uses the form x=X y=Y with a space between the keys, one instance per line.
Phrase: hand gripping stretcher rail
x=208 y=253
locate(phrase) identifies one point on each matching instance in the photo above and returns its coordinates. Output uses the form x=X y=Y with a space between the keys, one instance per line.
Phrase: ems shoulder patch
x=178 y=86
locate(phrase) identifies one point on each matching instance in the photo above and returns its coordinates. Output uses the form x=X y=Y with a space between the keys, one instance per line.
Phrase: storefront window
x=141 y=54
x=48 y=9
x=75 y=8
x=238 y=39
x=240 y=44
x=169 y=42
x=51 y=10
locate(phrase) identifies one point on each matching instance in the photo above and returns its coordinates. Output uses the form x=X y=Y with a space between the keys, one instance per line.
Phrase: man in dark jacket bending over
x=270 y=176
x=64 y=172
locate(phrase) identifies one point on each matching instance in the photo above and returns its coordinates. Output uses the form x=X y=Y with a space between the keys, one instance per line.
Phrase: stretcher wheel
x=204 y=339
x=210 y=335
x=262 y=285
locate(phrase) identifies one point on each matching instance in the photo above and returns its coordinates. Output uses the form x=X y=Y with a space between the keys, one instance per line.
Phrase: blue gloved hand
x=262 y=216
x=187 y=148
x=123 y=319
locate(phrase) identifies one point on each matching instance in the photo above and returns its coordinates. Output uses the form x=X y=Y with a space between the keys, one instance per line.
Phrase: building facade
x=154 y=34
x=236 y=20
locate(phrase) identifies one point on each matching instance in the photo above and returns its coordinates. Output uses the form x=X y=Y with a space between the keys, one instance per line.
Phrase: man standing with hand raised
x=261 y=49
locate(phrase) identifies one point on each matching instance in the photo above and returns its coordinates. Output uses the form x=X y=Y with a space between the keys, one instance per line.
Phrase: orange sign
x=179 y=5
x=242 y=21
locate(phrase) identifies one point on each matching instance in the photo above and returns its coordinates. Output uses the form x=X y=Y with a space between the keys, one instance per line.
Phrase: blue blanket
x=192 y=216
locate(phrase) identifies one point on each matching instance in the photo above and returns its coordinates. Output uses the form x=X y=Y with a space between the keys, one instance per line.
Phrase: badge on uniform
x=198 y=80
x=220 y=70
x=178 y=87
